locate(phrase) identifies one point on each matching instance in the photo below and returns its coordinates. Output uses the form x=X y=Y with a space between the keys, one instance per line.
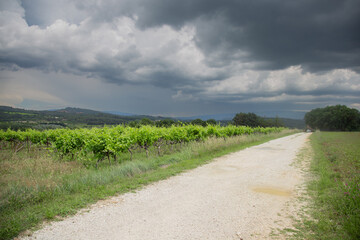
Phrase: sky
x=180 y=58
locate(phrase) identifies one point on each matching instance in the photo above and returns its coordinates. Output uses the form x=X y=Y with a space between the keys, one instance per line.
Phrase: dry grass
x=34 y=169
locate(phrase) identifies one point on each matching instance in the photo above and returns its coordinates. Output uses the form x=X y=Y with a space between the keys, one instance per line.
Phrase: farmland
x=50 y=174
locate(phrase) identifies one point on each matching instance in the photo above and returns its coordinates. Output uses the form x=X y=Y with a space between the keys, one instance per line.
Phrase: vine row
x=108 y=142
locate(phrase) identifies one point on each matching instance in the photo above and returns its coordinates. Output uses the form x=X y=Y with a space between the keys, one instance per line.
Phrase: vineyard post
x=130 y=153
x=108 y=156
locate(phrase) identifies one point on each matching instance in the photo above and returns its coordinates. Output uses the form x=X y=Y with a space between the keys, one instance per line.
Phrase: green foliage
x=108 y=142
x=211 y=122
x=166 y=123
x=134 y=124
x=146 y=121
x=198 y=122
x=334 y=118
x=246 y=119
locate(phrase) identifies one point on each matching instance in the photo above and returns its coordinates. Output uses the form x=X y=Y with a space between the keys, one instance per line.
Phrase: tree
x=146 y=121
x=277 y=122
x=165 y=123
x=135 y=123
x=198 y=121
x=271 y=122
x=211 y=122
x=334 y=118
x=247 y=119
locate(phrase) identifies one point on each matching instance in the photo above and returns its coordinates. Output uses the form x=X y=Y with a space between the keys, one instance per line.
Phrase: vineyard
x=97 y=144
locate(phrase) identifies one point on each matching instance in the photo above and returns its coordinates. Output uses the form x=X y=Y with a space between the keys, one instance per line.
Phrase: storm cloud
x=221 y=53
x=318 y=35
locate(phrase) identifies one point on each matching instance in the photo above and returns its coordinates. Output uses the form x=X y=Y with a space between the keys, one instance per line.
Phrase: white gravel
x=238 y=196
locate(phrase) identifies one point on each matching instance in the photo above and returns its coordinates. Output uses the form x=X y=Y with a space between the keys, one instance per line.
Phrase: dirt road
x=237 y=196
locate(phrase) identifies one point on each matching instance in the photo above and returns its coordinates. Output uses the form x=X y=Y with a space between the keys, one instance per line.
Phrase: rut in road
x=240 y=195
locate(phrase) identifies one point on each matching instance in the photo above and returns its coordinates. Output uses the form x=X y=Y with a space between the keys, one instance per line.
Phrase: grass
x=334 y=208
x=37 y=186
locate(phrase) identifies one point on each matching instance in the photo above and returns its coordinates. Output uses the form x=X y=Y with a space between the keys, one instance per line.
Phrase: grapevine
x=109 y=142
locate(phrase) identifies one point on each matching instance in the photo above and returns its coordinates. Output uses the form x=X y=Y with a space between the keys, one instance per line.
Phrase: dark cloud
x=319 y=35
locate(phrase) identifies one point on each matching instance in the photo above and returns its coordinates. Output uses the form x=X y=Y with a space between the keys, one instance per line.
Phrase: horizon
x=203 y=117
x=180 y=59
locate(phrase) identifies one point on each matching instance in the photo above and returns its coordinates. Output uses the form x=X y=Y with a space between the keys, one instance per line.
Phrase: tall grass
x=334 y=211
x=37 y=186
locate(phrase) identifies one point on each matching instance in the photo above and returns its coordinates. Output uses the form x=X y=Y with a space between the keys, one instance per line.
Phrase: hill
x=17 y=118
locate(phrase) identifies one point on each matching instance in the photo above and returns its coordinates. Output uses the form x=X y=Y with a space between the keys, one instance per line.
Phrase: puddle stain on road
x=272 y=191
x=218 y=169
x=270 y=148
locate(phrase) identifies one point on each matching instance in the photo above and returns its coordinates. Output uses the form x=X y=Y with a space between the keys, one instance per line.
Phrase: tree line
x=240 y=119
x=334 y=118
x=253 y=120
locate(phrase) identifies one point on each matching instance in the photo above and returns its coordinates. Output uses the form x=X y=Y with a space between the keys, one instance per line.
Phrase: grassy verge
x=36 y=186
x=334 y=210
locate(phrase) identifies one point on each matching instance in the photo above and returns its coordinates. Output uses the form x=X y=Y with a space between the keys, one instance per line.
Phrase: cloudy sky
x=180 y=58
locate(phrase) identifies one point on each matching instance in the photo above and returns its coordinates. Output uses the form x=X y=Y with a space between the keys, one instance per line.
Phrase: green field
x=334 y=210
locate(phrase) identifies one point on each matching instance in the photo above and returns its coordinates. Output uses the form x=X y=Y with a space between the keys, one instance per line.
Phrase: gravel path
x=242 y=195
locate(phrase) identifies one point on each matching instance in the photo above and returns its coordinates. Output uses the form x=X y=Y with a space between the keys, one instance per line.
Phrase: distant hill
x=17 y=118
x=77 y=111
x=120 y=113
x=217 y=117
